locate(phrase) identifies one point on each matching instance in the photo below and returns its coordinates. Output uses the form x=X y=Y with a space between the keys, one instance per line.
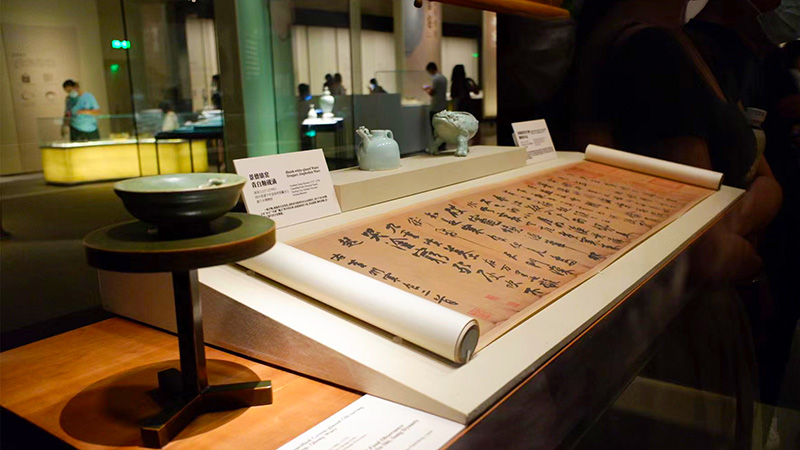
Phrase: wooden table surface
x=92 y=387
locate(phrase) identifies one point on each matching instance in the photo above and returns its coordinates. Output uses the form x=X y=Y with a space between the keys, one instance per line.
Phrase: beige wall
x=201 y=42
x=377 y=54
x=460 y=50
x=9 y=144
x=15 y=156
x=318 y=51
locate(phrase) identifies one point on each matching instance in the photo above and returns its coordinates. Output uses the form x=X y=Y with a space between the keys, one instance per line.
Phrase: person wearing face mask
x=80 y=111
x=644 y=86
x=648 y=83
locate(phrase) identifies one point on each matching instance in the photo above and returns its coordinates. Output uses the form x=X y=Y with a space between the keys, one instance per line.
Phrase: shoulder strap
x=691 y=51
x=699 y=63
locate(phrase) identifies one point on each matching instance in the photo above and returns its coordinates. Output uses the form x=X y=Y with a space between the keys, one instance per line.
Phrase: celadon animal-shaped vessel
x=453 y=127
x=378 y=150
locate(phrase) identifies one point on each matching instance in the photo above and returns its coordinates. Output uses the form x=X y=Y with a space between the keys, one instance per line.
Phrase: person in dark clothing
x=460 y=89
x=437 y=89
x=337 y=88
x=216 y=92
x=328 y=82
x=653 y=91
x=438 y=92
x=647 y=85
x=642 y=88
x=304 y=92
x=375 y=88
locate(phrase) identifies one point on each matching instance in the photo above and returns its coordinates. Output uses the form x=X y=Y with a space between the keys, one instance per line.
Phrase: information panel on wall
x=39 y=59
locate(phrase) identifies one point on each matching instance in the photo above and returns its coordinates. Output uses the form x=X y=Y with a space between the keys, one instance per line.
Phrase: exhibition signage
x=535 y=138
x=288 y=188
x=374 y=423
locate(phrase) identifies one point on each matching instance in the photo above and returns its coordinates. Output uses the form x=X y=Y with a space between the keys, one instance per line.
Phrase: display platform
x=114 y=159
x=357 y=188
x=246 y=313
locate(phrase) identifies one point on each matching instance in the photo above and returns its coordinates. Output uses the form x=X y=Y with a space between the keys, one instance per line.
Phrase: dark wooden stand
x=137 y=247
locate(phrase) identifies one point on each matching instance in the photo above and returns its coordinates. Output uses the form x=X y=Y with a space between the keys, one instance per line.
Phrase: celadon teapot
x=378 y=150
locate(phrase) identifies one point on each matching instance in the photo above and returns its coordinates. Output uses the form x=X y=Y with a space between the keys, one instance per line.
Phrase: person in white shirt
x=170 y=121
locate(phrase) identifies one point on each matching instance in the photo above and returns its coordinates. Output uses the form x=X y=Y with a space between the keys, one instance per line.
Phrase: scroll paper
x=496 y=254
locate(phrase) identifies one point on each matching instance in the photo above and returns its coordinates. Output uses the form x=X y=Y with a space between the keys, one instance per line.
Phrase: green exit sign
x=116 y=43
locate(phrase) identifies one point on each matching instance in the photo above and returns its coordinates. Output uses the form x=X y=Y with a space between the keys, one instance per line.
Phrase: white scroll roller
x=656 y=167
x=442 y=331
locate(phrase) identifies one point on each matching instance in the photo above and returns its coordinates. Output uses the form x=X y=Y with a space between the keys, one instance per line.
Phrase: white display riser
x=357 y=188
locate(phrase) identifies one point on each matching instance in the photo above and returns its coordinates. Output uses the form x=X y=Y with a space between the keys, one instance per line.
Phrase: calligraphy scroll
x=499 y=254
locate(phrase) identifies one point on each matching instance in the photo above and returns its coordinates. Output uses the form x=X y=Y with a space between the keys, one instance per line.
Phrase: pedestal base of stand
x=163 y=428
x=130 y=247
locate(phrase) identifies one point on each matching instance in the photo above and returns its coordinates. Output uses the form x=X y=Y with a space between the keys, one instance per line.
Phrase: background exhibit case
x=122 y=151
x=250 y=314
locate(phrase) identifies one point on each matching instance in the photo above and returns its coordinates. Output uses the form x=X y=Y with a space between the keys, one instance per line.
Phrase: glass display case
x=202 y=83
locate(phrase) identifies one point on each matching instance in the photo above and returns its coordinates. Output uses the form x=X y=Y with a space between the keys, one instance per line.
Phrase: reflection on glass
x=408 y=83
x=356 y=56
x=174 y=75
x=321 y=61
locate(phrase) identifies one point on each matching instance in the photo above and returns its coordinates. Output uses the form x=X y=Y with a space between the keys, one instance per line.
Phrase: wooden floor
x=93 y=387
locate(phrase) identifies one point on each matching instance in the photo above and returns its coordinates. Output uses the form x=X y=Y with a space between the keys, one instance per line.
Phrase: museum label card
x=372 y=423
x=535 y=138
x=289 y=188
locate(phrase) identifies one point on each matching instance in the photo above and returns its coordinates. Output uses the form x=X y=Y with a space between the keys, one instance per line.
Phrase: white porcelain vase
x=326 y=103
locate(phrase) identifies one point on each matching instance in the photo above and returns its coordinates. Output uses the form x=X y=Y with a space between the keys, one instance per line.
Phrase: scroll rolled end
x=467 y=342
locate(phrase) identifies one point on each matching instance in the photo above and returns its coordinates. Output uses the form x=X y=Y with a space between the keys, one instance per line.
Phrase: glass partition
x=373 y=63
x=271 y=76
x=174 y=74
x=152 y=66
x=320 y=38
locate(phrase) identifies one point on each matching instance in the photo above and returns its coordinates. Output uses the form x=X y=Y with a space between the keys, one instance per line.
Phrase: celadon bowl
x=180 y=199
